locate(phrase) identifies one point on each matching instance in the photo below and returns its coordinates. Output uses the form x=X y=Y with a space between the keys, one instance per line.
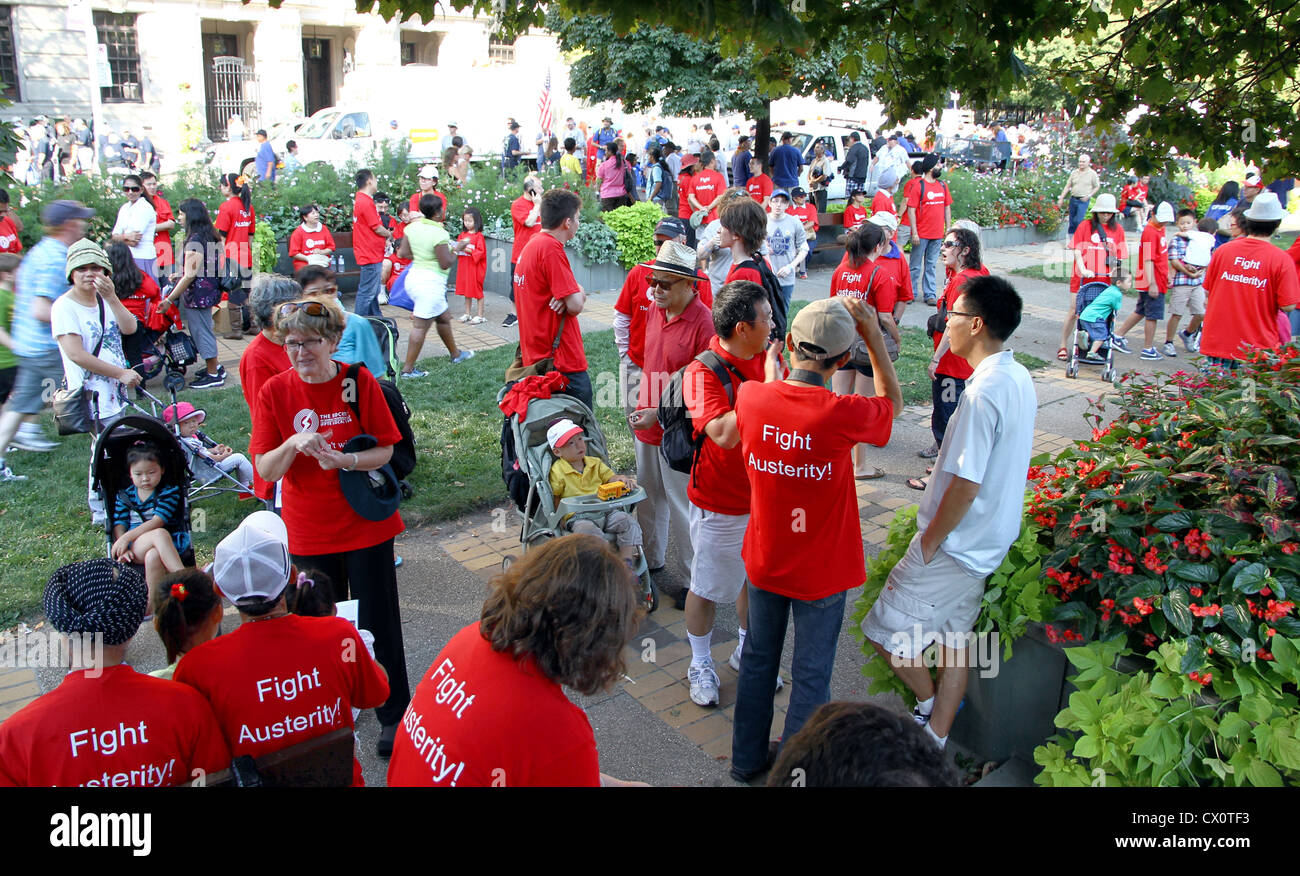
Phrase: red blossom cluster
x=1202 y=678
x=1273 y=611
x=1066 y=635
x=1120 y=560
x=1206 y=611
x=1197 y=543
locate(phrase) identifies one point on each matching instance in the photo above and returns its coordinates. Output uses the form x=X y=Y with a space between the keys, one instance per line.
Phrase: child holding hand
x=576 y=474
x=142 y=514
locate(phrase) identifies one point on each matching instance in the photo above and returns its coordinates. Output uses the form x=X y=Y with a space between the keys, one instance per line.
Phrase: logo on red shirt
x=306 y=420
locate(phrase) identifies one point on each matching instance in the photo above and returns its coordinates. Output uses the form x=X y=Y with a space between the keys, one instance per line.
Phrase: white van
x=835 y=135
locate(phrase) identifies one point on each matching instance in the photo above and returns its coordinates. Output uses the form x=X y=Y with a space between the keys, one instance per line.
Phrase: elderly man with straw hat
x=678 y=328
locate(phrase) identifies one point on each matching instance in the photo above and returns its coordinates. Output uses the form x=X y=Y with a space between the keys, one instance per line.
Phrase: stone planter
x=607 y=277
x=1014 y=235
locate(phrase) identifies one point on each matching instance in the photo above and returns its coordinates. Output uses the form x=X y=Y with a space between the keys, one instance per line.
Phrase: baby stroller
x=1083 y=342
x=541 y=518
x=112 y=473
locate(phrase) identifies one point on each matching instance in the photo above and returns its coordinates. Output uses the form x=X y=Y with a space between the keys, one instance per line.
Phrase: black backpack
x=403 y=461
x=774 y=297
x=680 y=446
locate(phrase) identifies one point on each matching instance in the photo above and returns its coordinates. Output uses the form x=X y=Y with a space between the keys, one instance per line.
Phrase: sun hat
x=688 y=159
x=676 y=258
x=1265 y=208
x=180 y=412
x=97 y=596
x=429 y=171
x=1165 y=212
x=1105 y=204
x=884 y=219
x=86 y=252
x=374 y=495
x=252 y=563
x=823 y=330
x=560 y=432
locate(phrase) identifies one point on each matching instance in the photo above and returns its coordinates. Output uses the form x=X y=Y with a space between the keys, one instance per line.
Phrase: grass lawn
x=457 y=427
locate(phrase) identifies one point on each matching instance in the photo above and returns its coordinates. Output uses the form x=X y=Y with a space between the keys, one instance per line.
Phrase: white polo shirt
x=140 y=217
x=989 y=441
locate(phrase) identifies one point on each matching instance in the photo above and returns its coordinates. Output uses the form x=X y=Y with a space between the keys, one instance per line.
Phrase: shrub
x=635 y=229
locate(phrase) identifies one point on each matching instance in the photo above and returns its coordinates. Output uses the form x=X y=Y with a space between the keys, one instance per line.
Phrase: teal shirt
x=1108 y=302
x=359 y=344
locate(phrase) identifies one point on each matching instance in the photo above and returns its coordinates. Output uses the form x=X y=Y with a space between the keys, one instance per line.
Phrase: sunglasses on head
x=311 y=308
x=130 y=188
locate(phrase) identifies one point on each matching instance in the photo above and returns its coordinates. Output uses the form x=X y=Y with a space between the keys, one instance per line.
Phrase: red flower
x=1149 y=640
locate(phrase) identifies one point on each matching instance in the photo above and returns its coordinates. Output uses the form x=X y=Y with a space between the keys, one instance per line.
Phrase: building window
x=8 y=56
x=117 y=34
x=408 y=53
x=500 y=52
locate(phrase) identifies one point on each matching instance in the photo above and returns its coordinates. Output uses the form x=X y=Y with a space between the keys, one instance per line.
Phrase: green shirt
x=425 y=235
x=7 y=357
x=1108 y=302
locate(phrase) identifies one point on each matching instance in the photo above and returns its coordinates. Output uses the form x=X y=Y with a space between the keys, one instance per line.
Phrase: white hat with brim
x=1265 y=208
x=1105 y=204
x=884 y=219
x=1165 y=212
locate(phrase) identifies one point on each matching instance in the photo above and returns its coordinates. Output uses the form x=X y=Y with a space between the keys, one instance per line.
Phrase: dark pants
x=945 y=392
x=580 y=388
x=133 y=345
x=370 y=576
x=512 y=282
x=819 y=199
x=1078 y=212
x=816 y=633
x=7 y=376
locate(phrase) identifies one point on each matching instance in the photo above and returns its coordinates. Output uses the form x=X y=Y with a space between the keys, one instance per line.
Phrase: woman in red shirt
x=311 y=242
x=685 y=184
x=856 y=211
x=471 y=263
x=138 y=293
x=166 y=221
x=491 y=710
x=236 y=222
x=860 y=275
x=1098 y=245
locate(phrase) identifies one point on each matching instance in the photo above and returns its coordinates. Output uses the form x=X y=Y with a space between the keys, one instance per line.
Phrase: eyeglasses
x=295 y=346
x=948 y=243
x=311 y=308
x=963 y=313
x=130 y=188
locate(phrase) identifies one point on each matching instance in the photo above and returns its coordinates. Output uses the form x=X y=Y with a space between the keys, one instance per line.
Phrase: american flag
x=544 y=106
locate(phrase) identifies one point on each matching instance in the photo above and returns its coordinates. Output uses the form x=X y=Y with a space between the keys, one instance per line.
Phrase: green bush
x=635 y=229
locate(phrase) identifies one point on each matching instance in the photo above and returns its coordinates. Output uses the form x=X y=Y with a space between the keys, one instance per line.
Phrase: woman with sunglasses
x=198 y=289
x=136 y=225
x=302 y=419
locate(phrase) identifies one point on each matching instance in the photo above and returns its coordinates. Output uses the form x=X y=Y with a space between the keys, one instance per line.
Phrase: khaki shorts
x=1185 y=299
x=923 y=603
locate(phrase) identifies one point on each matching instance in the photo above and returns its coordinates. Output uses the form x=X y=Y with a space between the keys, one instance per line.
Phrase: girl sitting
x=144 y=515
x=208 y=460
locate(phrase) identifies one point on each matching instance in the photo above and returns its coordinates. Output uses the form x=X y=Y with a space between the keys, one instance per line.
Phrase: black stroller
x=1083 y=342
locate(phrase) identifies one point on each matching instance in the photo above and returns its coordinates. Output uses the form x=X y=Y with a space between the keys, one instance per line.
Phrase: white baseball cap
x=884 y=219
x=253 y=561
x=1165 y=212
x=429 y=171
x=561 y=431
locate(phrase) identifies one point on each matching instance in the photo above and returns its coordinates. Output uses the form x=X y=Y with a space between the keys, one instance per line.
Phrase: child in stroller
x=146 y=516
x=1098 y=304
x=576 y=474
x=208 y=460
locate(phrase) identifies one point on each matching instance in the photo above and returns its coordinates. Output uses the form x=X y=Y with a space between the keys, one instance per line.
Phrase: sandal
x=1063 y=354
x=478 y=320
x=930 y=470
x=870 y=476
x=917 y=483
x=929 y=454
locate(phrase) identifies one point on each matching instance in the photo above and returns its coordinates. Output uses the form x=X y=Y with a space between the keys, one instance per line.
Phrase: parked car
x=835 y=137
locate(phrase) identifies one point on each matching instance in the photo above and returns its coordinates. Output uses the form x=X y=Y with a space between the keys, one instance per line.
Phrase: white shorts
x=428 y=289
x=717 y=570
x=1183 y=299
x=922 y=603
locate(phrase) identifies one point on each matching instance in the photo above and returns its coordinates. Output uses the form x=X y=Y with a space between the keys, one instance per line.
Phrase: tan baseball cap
x=823 y=330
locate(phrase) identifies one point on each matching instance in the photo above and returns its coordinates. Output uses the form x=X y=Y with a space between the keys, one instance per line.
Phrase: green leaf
x=1166 y=686
x=1286 y=749
x=1255 y=708
x=1194 y=660
x=1237 y=619
x=1232 y=725
x=1085 y=707
x=1251 y=578
x=1201 y=573
x=1086 y=746
x=1223 y=645
x=1175 y=522
x=1175 y=606
x=1261 y=775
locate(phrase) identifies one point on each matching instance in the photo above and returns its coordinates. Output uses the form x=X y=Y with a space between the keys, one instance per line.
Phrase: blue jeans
x=816 y=633
x=1078 y=212
x=580 y=388
x=927 y=249
x=368 y=290
x=787 y=292
x=945 y=393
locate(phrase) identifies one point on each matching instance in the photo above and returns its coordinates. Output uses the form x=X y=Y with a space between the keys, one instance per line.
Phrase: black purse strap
x=555 y=344
x=103 y=326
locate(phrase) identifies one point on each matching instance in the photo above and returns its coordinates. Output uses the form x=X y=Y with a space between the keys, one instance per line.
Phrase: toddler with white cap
x=576 y=474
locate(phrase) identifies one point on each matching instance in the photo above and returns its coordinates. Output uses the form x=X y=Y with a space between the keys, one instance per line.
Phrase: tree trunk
x=763 y=133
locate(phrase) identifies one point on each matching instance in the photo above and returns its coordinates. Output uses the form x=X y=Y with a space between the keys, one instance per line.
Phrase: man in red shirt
x=796 y=439
x=678 y=328
x=707 y=186
x=905 y=230
x=548 y=296
x=806 y=212
x=1248 y=281
x=760 y=184
x=929 y=213
x=1151 y=280
x=278 y=679
x=107 y=725
x=525 y=215
x=368 y=238
x=10 y=226
x=719 y=490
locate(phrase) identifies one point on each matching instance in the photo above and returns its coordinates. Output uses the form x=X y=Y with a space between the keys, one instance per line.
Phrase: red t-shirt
x=1134 y=192
x=854 y=216
x=304 y=243
x=950 y=364
x=399 y=266
x=261 y=360
x=749 y=274
x=367 y=246
x=318 y=517
x=471 y=267
x=144 y=293
x=482 y=718
x=806 y=213
x=897 y=265
x=670 y=346
x=685 y=185
x=1294 y=253
x=929 y=199
x=635 y=301
x=759 y=187
x=883 y=202
x=413 y=206
x=519 y=211
x=1155 y=246
x=122 y=729
x=9 y=241
x=707 y=188
x=1088 y=241
x=1248 y=280
x=809 y=483
x=910 y=186
x=543 y=273
x=238 y=225
x=852 y=281
x=275 y=683
x=162 y=240
x=718 y=482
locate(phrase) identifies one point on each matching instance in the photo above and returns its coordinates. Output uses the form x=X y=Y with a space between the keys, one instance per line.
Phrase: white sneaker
x=383 y=297
x=464 y=317
x=1170 y=350
x=704 y=683
x=734 y=662
x=7 y=474
x=32 y=440
x=464 y=356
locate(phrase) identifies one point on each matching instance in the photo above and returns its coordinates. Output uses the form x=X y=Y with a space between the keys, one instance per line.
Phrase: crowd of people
x=783 y=414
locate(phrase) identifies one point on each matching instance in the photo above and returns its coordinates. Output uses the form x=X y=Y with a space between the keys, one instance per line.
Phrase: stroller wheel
x=649 y=592
x=506 y=562
x=1071 y=370
x=1108 y=375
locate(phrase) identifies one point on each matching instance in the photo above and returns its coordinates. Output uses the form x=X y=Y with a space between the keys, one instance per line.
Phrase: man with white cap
x=447 y=138
x=678 y=328
x=1151 y=280
x=796 y=438
x=279 y=679
x=155 y=733
x=1248 y=281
